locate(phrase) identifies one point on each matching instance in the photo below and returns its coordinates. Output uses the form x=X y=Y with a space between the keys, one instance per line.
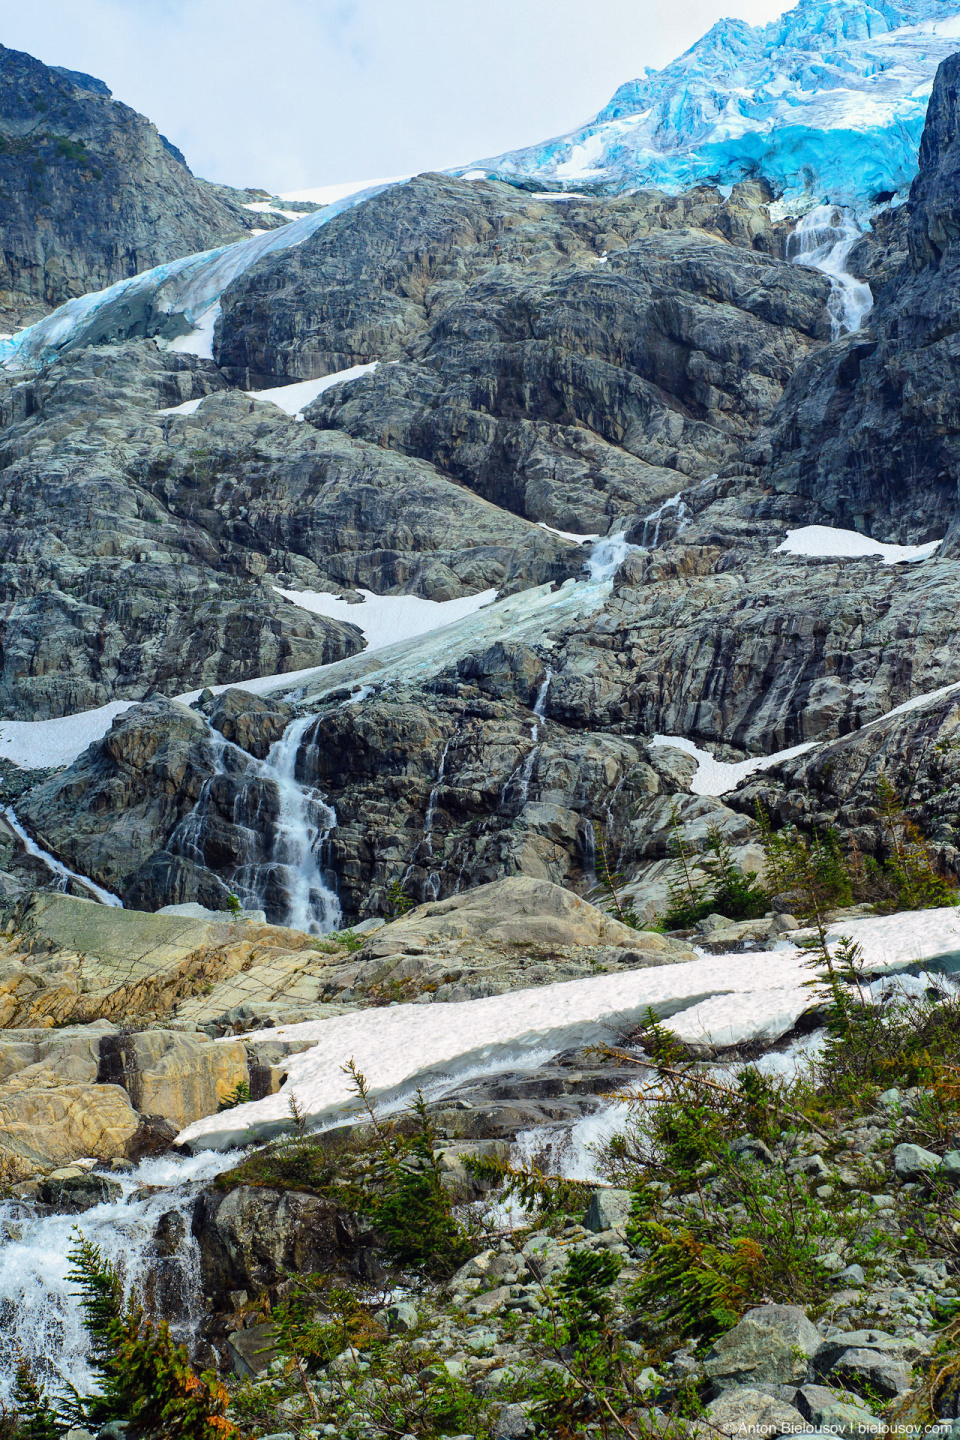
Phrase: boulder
x=72 y=1192
x=745 y=1411
x=251 y=1238
x=875 y=1371
x=772 y=1345
x=517 y=910
x=835 y=1413
x=912 y=1162
x=950 y=1167
x=608 y=1209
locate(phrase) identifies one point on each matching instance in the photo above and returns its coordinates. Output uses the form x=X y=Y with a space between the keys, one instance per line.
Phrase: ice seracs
x=827 y=102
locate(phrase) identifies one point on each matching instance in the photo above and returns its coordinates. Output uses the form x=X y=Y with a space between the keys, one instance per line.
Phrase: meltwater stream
x=279 y=824
x=39 y=1313
x=823 y=239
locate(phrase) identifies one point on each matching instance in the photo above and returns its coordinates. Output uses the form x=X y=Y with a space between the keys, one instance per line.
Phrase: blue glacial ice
x=826 y=103
x=189 y=287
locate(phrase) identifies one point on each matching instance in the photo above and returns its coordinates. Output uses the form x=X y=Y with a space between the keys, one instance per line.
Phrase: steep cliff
x=870 y=427
x=91 y=191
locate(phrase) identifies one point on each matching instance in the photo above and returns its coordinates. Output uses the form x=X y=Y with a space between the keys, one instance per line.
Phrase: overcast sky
x=291 y=93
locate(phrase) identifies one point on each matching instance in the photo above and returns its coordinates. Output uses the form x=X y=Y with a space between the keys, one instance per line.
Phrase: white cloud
x=307 y=92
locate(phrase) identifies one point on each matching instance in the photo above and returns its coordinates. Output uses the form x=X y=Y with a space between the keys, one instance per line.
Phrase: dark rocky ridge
x=92 y=193
x=563 y=359
x=573 y=363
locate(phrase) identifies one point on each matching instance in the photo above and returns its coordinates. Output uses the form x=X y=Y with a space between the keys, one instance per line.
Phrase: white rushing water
x=39 y=1313
x=607 y=555
x=823 y=239
x=279 y=843
x=57 y=867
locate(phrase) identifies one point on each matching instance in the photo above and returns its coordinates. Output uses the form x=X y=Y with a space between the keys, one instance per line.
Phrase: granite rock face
x=566 y=361
x=640 y=364
x=93 y=193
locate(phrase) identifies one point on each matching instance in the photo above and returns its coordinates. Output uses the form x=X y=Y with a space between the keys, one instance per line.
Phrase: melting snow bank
x=386 y=619
x=716 y=777
x=718 y=1001
x=39 y=744
x=39 y=1313
x=825 y=541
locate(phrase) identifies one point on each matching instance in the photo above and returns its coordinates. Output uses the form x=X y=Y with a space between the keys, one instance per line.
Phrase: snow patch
x=385 y=619
x=293 y=399
x=716 y=777
x=824 y=540
x=200 y=340
x=721 y=1000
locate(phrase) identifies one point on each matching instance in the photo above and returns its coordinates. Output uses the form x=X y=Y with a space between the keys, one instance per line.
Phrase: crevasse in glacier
x=826 y=103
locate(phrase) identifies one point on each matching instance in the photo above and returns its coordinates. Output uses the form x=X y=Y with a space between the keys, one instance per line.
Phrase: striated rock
x=43 y=1127
x=68 y=959
x=177 y=1077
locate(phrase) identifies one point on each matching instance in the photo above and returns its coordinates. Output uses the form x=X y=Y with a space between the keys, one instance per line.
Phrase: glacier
x=825 y=103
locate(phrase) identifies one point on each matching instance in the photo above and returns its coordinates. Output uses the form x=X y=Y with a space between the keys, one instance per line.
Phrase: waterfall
x=304 y=822
x=607 y=555
x=656 y=516
x=432 y=883
x=57 y=866
x=540 y=704
x=281 y=875
x=823 y=239
x=39 y=1311
x=523 y=773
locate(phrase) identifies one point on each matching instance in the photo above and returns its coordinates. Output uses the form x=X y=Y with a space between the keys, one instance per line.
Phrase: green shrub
x=240 y=1095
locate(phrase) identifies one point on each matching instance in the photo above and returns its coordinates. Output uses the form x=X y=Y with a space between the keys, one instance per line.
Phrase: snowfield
x=717 y=1000
x=824 y=540
x=386 y=619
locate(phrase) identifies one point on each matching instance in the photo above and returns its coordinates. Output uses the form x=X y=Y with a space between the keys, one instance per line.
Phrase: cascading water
x=432 y=883
x=304 y=821
x=278 y=827
x=823 y=240
x=607 y=555
x=649 y=540
x=39 y=1312
x=57 y=867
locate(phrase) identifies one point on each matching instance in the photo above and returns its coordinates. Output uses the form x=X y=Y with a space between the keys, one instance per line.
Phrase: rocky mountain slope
x=646 y=366
x=91 y=191
x=376 y=596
